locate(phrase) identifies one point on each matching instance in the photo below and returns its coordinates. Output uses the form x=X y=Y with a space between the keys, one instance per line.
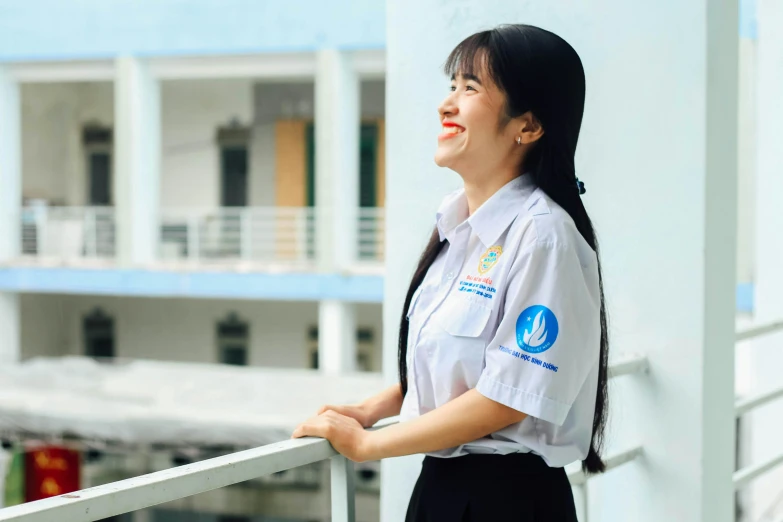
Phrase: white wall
x=53 y=163
x=192 y=111
x=657 y=155
x=53 y=115
x=180 y=329
x=766 y=352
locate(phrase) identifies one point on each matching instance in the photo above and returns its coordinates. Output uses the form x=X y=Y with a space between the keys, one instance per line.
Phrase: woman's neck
x=479 y=191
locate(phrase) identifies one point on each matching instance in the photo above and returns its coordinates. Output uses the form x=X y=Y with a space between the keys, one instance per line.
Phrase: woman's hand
x=354 y=411
x=346 y=434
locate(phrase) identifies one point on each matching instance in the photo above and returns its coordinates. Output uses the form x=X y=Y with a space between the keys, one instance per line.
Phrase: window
x=233 y=142
x=97 y=142
x=233 y=337
x=98 y=333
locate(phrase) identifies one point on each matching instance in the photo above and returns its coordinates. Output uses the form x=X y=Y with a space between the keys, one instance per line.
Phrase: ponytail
x=554 y=172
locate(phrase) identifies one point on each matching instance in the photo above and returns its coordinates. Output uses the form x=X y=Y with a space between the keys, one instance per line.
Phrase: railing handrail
x=745 y=476
x=627 y=365
x=747 y=404
x=757 y=331
x=577 y=477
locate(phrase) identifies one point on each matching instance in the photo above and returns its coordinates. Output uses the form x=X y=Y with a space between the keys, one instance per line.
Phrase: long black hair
x=539 y=72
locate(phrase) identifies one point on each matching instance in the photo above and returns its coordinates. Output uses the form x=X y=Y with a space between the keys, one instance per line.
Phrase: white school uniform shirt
x=511 y=307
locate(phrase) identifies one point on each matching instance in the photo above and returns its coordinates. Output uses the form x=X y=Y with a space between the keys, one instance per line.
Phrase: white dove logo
x=537 y=336
x=537 y=329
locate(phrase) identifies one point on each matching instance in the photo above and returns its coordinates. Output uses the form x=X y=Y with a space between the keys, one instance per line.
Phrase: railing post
x=40 y=231
x=246 y=235
x=343 y=490
x=580 y=500
x=193 y=239
x=90 y=233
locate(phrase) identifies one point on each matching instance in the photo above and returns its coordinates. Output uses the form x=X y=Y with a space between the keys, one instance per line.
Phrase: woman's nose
x=447 y=107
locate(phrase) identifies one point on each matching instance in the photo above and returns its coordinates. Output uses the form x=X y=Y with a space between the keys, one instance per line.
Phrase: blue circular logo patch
x=537 y=329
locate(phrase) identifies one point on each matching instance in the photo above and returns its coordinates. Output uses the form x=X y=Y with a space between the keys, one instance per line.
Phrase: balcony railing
x=164 y=486
x=249 y=235
x=71 y=235
x=745 y=476
x=255 y=237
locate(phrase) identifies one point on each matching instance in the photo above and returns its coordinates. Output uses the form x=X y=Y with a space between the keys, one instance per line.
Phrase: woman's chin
x=443 y=160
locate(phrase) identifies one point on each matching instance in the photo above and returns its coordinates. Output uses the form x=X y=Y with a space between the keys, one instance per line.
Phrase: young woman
x=503 y=343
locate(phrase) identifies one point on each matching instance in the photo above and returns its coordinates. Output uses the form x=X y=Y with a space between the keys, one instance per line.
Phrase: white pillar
x=137 y=161
x=10 y=166
x=337 y=121
x=767 y=352
x=336 y=159
x=10 y=336
x=658 y=156
x=10 y=207
x=336 y=337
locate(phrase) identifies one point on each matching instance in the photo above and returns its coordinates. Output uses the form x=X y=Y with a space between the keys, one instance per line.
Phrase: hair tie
x=580 y=186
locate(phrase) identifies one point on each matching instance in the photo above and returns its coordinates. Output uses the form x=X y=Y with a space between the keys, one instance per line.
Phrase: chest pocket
x=463 y=318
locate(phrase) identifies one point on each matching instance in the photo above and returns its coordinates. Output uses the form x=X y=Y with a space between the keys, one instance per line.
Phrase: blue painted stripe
x=219 y=285
x=745 y=297
x=748 y=21
x=92 y=29
x=212 y=285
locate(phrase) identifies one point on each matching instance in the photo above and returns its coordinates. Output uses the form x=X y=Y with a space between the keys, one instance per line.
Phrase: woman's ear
x=530 y=129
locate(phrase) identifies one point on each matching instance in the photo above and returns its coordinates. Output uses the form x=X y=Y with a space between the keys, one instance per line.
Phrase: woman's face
x=476 y=136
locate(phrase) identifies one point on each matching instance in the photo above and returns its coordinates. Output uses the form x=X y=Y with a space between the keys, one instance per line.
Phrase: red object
x=51 y=471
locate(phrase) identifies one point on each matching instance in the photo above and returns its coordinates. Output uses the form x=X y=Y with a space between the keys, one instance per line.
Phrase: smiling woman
x=503 y=345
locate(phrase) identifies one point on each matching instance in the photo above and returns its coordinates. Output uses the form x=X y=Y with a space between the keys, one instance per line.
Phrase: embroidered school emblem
x=489 y=259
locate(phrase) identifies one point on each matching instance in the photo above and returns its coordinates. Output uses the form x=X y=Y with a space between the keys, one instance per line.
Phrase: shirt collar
x=492 y=218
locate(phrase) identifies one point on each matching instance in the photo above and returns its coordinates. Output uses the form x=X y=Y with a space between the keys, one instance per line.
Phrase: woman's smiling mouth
x=450 y=130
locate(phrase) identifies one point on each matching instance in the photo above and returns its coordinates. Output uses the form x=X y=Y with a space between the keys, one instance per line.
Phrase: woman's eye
x=469 y=87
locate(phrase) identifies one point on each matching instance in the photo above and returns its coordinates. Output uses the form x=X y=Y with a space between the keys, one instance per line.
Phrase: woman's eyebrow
x=471 y=77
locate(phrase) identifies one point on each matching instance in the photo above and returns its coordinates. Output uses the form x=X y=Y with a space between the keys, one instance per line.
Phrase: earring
x=519 y=140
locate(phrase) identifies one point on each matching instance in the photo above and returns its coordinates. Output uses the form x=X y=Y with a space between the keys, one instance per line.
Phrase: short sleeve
x=548 y=339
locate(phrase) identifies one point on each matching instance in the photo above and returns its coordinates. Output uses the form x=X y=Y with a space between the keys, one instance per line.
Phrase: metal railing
x=164 y=486
x=68 y=234
x=742 y=406
x=371 y=233
x=249 y=235
x=625 y=365
x=255 y=236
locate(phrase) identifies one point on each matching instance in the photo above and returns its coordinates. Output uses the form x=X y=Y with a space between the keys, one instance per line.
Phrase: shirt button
x=450 y=275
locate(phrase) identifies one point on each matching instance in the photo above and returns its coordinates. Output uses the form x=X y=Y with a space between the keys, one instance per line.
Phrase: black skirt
x=519 y=487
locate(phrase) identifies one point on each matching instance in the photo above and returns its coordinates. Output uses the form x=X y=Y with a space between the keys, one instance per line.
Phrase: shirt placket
x=455 y=258
x=452 y=267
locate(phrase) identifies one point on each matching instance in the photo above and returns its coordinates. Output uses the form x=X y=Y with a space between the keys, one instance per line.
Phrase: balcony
x=176 y=483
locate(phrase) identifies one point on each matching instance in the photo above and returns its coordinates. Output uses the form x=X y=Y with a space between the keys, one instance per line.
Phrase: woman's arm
x=385 y=404
x=464 y=419
x=381 y=405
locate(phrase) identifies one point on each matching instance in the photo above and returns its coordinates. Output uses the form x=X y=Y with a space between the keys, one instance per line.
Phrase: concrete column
x=337 y=109
x=137 y=161
x=658 y=156
x=765 y=352
x=336 y=337
x=336 y=159
x=10 y=325
x=10 y=166
x=10 y=207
